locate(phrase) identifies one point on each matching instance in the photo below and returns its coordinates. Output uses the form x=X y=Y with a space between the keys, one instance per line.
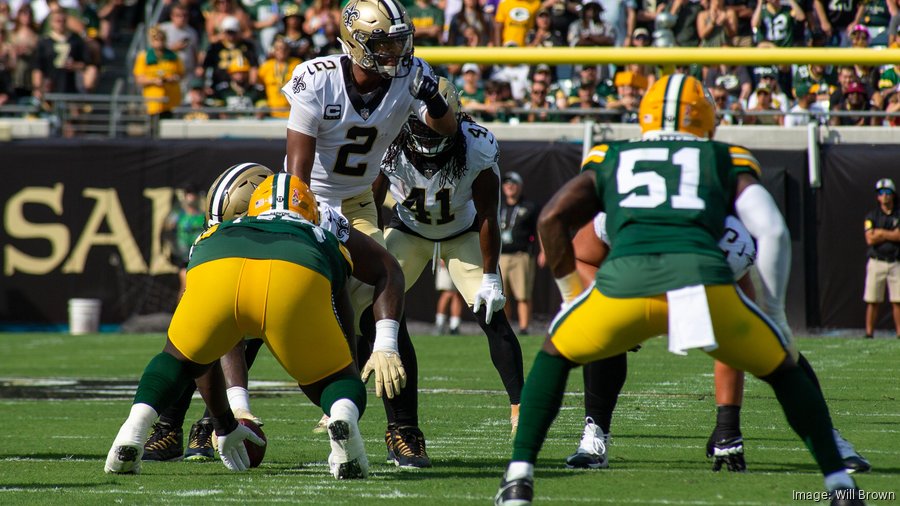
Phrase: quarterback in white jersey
x=447 y=193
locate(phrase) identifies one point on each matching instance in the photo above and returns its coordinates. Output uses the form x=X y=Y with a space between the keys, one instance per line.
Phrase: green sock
x=807 y=414
x=163 y=381
x=348 y=387
x=541 y=398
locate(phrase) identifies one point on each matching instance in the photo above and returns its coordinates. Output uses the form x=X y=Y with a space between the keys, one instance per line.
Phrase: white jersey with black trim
x=437 y=211
x=352 y=131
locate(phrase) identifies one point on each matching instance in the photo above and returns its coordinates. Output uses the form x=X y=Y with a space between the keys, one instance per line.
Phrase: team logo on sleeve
x=297 y=84
x=332 y=111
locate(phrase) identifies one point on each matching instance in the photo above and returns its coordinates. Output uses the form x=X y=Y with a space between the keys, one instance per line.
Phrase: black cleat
x=406 y=447
x=728 y=452
x=200 y=447
x=518 y=492
x=853 y=461
x=847 y=497
x=166 y=443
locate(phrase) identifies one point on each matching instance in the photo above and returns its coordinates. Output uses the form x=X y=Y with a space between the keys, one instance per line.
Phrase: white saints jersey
x=352 y=131
x=437 y=211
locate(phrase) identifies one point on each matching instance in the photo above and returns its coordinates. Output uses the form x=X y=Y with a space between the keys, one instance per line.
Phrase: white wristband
x=569 y=286
x=490 y=279
x=386 y=335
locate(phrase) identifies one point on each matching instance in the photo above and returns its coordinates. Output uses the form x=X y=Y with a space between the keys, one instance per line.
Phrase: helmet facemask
x=425 y=141
x=388 y=54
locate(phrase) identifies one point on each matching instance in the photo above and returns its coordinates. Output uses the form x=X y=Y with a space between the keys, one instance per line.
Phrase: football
x=255 y=452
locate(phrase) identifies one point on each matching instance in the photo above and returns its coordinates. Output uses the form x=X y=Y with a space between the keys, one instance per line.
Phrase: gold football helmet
x=678 y=103
x=284 y=194
x=378 y=36
x=421 y=137
x=229 y=195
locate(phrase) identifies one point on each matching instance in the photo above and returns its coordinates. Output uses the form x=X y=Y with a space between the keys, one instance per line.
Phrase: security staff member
x=883 y=266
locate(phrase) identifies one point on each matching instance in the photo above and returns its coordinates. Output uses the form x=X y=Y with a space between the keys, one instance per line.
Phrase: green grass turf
x=52 y=451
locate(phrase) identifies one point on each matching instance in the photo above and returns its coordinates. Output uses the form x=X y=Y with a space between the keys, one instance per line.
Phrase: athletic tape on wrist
x=386 y=335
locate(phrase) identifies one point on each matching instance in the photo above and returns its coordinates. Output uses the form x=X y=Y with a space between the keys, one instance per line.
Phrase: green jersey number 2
x=655 y=193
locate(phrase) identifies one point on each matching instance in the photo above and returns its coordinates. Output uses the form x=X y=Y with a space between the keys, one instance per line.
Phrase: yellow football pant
x=596 y=326
x=285 y=304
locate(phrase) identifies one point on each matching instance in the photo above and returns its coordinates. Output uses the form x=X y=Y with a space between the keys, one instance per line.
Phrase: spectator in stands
x=518 y=234
x=742 y=10
x=266 y=18
x=275 y=73
x=627 y=101
x=585 y=97
x=59 y=58
x=7 y=66
x=727 y=105
x=221 y=54
x=543 y=34
x=882 y=228
x=834 y=17
x=734 y=78
x=891 y=104
x=875 y=15
x=855 y=98
x=620 y=18
x=292 y=33
x=24 y=38
x=686 y=13
x=322 y=24
x=513 y=21
x=604 y=89
x=775 y=21
x=471 y=92
x=222 y=13
x=195 y=16
x=474 y=17
x=768 y=74
x=821 y=80
x=590 y=29
x=197 y=101
x=239 y=95
x=182 y=39
x=429 y=23
x=159 y=71
x=497 y=101
x=764 y=105
x=716 y=25
x=801 y=113
x=889 y=79
x=517 y=77
x=539 y=105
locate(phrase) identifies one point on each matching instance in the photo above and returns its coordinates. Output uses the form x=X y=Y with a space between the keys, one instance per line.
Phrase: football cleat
x=518 y=492
x=453 y=332
x=322 y=425
x=847 y=497
x=728 y=452
x=244 y=414
x=166 y=443
x=347 y=460
x=406 y=447
x=853 y=461
x=200 y=442
x=124 y=458
x=591 y=452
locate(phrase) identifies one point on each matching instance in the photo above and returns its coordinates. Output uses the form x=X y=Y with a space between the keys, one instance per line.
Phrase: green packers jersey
x=276 y=238
x=666 y=199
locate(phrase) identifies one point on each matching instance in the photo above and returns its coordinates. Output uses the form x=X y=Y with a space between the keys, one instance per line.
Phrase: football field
x=62 y=399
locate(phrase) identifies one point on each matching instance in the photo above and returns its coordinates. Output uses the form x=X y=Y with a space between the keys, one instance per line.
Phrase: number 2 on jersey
x=368 y=135
x=415 y=202
x=655 y=195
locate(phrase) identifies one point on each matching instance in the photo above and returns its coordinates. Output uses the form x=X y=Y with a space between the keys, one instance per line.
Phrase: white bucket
x=84 y=316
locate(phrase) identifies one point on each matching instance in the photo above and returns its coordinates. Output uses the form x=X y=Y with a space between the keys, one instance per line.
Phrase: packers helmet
x=422 y=138
x=284 y=194
x=229 y=195
x=678 y=103
x=378 y=36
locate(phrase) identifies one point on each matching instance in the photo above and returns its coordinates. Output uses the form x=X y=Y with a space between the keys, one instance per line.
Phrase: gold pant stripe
x=601 y=327
x=287 y=305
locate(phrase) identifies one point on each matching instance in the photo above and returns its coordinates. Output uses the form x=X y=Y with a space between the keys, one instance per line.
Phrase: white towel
x=690 y=325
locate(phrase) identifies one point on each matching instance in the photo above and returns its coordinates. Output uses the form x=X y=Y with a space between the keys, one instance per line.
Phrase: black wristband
x=437 y=106
x=224 y=424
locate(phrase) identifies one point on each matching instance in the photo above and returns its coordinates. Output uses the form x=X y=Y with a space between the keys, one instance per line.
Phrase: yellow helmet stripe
x=670 y=109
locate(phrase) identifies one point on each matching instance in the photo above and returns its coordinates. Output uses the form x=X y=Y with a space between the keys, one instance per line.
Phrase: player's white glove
x=390 y=376
x=491 y=295
x=232 y=450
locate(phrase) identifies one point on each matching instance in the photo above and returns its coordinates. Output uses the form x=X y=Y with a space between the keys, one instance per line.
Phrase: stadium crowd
x=230 y=58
